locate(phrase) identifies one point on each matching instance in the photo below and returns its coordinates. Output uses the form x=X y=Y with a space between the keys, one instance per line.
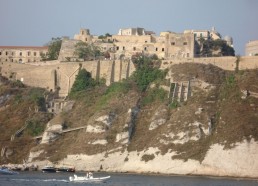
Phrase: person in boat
x=90 y=175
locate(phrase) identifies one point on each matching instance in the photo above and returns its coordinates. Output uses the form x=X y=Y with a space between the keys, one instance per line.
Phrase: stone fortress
x=132 y=41
x=60 y=74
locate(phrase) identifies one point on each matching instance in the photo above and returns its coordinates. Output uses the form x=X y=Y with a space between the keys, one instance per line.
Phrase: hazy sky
x=35 y=22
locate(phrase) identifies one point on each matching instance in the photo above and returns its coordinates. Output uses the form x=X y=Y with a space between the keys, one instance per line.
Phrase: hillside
x=19 y=106
x=121 y=121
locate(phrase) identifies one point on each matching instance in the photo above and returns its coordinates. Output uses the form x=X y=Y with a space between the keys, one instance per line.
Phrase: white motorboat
x=88 y=178
x=7 y=171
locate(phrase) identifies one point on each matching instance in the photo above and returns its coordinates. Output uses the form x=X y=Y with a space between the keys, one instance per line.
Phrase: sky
x=35 y=22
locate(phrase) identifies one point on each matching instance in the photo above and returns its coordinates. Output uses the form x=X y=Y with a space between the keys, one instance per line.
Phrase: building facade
x=21 y=54
x=205 y=34
x=251 y=48
x=130 y=41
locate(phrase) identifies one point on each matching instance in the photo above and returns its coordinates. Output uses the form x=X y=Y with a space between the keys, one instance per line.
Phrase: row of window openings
x=174 y=43
x=145 y=48
x=29 y=53
x=20 y=60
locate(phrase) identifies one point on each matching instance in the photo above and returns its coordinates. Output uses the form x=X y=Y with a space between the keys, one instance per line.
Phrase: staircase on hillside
x=179 y=91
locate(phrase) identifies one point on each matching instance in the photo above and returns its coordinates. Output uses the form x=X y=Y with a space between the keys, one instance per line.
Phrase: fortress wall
x=62 y=75
x=39 y=77
x=248 y=62
x=125 y=70
x=106 y=70
x=117 y=70
x=226 y=63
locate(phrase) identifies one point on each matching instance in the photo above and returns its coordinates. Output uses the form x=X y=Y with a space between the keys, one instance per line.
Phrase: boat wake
x=40 y=180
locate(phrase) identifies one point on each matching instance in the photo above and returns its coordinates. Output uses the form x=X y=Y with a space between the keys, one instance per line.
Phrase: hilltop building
x=131 y=41
x=251 y=48
x=212 y=34
x=21 y=54
x=134 y=32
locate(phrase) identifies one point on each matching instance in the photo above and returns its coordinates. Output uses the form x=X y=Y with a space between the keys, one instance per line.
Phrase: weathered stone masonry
x=62 y=75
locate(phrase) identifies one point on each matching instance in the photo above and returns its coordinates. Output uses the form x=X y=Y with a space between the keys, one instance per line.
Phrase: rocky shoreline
x=238 y=162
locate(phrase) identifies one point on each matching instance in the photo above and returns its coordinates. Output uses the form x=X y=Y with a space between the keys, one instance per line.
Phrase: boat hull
x=48 y=170
x=86 y=179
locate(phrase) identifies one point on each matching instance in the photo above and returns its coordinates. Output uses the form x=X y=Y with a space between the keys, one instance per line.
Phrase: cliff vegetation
x=136 y=114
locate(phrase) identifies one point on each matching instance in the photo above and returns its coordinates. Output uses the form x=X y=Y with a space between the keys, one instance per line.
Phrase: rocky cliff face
x=214 y=132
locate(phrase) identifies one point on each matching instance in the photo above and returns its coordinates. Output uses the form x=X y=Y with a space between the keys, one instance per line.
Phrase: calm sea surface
x=57 y=179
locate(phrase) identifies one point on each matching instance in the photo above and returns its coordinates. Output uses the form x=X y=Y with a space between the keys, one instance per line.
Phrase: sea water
x=58 y=179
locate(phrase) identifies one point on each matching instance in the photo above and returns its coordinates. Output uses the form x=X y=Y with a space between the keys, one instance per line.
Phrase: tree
x=105 y=36
x=87 y=51
x=220 y=47
x=145 y=72
x=54 y=47
x=83 y=81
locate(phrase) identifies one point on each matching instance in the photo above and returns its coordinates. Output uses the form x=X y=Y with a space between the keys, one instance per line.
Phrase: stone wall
x=226 y=63
x=61 y=76
x=248 y=62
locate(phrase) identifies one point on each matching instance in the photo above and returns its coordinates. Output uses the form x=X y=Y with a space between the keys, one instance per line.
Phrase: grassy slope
x=14 y=113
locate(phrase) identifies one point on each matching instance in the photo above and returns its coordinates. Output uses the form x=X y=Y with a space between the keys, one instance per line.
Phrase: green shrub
x=36 y=95
x=17 y=84
x=114 y=90
x=147 y=157
x=174 y=104
x=35 y=128
x=156 y=94
x=18 y=98
x=83 y=81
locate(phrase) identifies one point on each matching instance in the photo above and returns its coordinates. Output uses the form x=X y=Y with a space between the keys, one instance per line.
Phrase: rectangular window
x=163 y=49
x=28 y=53
x=173 y=43
x=35 y=53
x=117 y=48
x=6 y=53
x=185 y=43
x=134 y=48
x=0 y=53
x=157 y=49
x=123 y=48
x=145 y=48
